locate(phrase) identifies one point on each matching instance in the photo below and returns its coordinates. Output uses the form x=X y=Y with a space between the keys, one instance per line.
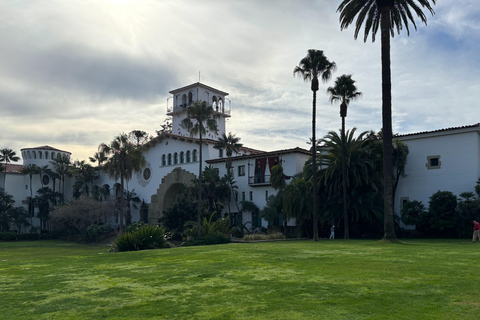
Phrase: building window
x=241 y=171
x=266 y=194
x=182 y=157
x=195 y=155
x=403 y=202
x=433 y=162
x=45 y=180
x=147 y=173
x=40 y=154
x=188 y=156
x=164 y=160
x=169 y=159
x=175 y=158
x=53 y=155
x=220 y=153
x=251 y=195
x=243 y=196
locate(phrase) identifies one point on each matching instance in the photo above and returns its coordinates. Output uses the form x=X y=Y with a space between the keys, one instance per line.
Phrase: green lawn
x=354 y=279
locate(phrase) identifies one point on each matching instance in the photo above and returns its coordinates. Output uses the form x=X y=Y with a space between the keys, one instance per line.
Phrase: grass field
x=354 y=279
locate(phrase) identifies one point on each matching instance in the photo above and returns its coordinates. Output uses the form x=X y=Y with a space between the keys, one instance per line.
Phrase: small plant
x=146 y=237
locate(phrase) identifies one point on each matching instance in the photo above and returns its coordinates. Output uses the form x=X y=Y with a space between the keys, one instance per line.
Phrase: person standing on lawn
x=332 y=232
x=476 y=231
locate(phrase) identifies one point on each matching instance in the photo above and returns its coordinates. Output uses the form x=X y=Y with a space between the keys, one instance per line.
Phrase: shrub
x=28 y=236
x=8 y=236
x=212 y=238
x=260 y=236
x=146 y=237
x=94 y=232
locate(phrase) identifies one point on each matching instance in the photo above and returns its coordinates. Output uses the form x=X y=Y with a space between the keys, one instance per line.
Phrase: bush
x=146 y=237
x=8 y=236
x=260 y=236
x=212 y=238
x=28 y=236
x=94 y=232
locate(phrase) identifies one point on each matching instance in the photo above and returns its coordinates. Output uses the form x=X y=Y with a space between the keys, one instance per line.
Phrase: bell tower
x=185 y=96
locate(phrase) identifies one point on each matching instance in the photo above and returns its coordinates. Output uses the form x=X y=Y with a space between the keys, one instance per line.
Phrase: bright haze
x=74 y=74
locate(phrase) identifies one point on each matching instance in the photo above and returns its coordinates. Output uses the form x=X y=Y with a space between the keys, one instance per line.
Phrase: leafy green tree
x=19 y=217
x=442 y=216
x=124 y=159
x=315 y=65
x=274 y=209
x=231 y=144
x=388 y=15
x=400 y=155
x=277 y=177
x=138 y=137
x=6 y=205
x=200 y=118
x=344 y=91
x=182 y=210
x=44 y=200
x=7 y=155
x=414 y=213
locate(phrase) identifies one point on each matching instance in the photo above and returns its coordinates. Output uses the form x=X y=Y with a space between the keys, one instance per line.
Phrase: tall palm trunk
x=344 y=182
x=387 y=127
x=122 y=201
x=199 y=204
x=314 y=160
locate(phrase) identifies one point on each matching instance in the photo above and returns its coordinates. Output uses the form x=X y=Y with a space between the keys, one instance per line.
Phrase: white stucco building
x=446 y=160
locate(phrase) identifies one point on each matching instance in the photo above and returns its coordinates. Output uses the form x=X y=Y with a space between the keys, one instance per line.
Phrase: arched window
x=190 y=98
x=59 y=155
x=106 y=190
x=220 y=105
x=164 y=160
x=214 y=103
x=28 y=155
x=53 y=155
x=34 y=155
x=169 y=159
x=195 y=155
x=175 y=158
x=188 y=156
x=182 y=157
x=46 y=155
x=40 y=154
x=184 y=100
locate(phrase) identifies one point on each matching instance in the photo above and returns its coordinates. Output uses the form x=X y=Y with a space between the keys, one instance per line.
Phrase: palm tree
x=7 y=155
x=84 y=175
x=6 y=204
x=344 y=91
x=204 y=117
x=231 y=145
x=131 y=198
x=310 y=68
x=353 y=154
x=63 y=167
x=125 y=158
x=30 y=169
x=388 y=15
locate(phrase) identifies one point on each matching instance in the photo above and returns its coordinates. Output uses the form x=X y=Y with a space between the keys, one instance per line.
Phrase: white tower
x=183 y=97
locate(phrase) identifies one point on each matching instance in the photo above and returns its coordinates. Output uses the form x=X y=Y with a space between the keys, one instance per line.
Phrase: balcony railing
x=225 y=109
x=257 y=181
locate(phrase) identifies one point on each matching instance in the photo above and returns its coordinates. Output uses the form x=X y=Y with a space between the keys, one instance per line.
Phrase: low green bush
x=213 y=238
x=94 y=232
x=146 y=237
x=28 y=236
x=8 y=236
x=261 y=236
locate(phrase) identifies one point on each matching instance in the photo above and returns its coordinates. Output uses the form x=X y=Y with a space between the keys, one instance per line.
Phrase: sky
x=76 y=73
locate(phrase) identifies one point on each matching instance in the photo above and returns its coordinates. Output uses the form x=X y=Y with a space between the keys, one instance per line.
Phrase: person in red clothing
x=476 y=231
